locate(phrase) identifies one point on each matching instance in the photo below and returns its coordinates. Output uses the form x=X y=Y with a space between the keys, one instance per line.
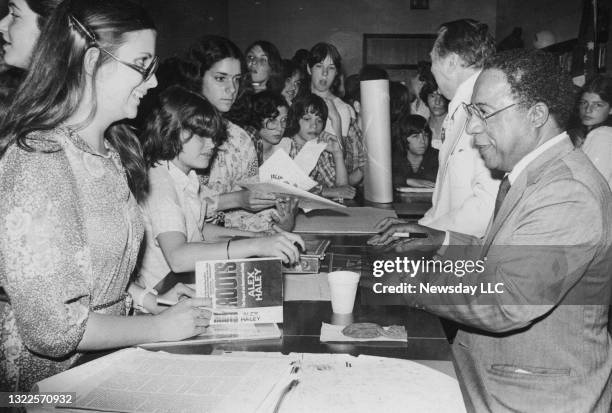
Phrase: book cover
x=247 y=290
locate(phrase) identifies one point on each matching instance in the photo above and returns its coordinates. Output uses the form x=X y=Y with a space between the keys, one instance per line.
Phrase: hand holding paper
x=281 y=168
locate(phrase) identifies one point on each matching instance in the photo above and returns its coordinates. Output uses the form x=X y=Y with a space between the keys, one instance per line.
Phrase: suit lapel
x=526 y=178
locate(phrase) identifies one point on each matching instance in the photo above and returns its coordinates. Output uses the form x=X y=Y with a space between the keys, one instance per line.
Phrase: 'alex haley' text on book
x=248 y=290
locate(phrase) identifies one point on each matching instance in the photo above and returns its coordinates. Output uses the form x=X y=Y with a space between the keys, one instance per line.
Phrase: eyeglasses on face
x=473 y=110
x=274 y=123
x=254 y=60
x=146 y=72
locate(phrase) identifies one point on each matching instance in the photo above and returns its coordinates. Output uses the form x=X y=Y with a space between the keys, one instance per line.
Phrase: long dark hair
x=318 y=53
x=179 y=110
x=203 y=55
x=409 y=125
x=43 y=9
x=275 y=80
x=55 y=84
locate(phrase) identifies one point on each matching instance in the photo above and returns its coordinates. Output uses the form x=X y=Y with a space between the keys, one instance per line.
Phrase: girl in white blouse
x=184 y=134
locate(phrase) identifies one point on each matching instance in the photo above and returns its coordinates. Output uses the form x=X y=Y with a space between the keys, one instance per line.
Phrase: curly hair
x=202 y=56
x=468 y=38
x=265 y=106
x=179 y=110
x=536 y=76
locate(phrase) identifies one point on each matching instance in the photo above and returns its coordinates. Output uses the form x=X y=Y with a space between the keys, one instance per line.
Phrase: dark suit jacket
x=528 y=349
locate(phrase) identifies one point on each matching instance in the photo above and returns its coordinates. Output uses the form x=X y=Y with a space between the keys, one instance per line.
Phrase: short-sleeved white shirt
x=174 y=204
x=346 y=112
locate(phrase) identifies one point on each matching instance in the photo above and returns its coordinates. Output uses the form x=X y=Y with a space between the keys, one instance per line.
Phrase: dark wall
x=562 y=17
x=181 y=22
x=294 y=24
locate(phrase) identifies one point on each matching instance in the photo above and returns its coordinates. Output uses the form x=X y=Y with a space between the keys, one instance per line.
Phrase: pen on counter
x=410 y=235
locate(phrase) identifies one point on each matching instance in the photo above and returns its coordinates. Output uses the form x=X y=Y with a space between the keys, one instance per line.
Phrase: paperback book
x=247 y=290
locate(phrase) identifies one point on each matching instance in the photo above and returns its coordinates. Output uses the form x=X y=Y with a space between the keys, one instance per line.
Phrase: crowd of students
x=88 y=183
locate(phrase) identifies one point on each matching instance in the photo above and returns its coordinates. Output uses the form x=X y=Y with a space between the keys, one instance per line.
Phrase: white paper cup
x=343 y=287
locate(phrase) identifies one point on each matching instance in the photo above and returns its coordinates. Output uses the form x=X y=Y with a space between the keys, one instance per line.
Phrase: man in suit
x=541 y=345
x=465 y=190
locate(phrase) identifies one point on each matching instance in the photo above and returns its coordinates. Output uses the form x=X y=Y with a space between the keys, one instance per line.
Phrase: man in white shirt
x=465 y=190
x=535 y=340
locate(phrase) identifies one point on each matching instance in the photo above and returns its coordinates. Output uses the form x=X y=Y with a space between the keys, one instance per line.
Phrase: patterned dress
x=70 y=231
x=236 y=162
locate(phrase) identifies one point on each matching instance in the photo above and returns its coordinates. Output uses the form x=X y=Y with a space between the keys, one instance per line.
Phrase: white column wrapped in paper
x=377 y=138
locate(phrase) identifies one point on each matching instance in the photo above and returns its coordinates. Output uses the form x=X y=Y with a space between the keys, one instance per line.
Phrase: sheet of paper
x=307 y=201
x=354 y=220
x=281 y=168
x=346 y=384
x=306 y=287
x=330 y=332
x=136 y=380
x=308 y=156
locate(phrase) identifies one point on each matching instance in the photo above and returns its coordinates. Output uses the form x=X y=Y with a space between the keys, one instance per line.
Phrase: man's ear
x=357 y=107
x=453 y=61
x=538 y=114
x=91 y=59
x=308 y=70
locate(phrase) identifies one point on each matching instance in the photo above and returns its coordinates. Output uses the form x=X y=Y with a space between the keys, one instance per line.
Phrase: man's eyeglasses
x=473 y=110
x=146 y=72
x=254 y=60
x=273 y=124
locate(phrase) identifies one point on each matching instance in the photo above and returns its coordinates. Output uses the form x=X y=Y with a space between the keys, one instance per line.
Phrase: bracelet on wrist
x=139 y=298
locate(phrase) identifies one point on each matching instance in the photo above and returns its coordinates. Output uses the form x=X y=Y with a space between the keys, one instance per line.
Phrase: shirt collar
x=531 y=156
x=184 y=182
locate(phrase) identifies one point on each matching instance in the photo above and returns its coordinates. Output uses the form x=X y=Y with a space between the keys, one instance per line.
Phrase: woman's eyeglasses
x=146 y=72
x=273 y=124
x=254 y=60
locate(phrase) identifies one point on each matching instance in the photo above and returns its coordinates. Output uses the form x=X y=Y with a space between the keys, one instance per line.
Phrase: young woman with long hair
x=215 y=68
x=70 y=174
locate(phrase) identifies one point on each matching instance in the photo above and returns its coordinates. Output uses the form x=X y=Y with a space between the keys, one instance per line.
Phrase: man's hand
x=389 y=236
